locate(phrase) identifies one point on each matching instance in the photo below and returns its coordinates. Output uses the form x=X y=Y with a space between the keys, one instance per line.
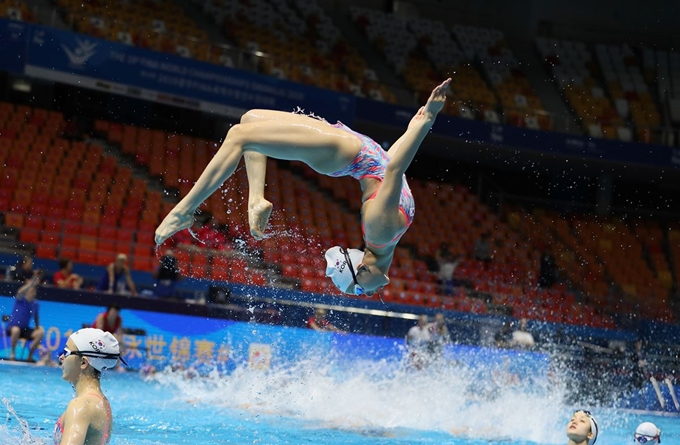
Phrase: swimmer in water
x=88 y=419
x=647 y=433
x=582 y=429
x=334 y=150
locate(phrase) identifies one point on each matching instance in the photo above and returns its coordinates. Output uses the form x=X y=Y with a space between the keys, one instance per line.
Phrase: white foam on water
x=373 y=395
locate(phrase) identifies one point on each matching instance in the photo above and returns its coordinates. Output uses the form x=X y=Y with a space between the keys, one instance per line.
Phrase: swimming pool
x=309 y=403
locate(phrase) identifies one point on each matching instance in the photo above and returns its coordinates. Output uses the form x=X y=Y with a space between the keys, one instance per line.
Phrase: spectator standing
x=116 y=277
x=65 y=278
x=439 y=334
x=521 y=338
x=167 y=275
x=638 y=366
x=418 y=342
x=503 y=337
x=447 y=268
x=482 y=249
x=547 y=271
x=25 y=308
x=23 y=271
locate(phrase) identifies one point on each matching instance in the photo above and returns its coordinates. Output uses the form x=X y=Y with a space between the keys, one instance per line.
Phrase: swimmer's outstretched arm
x=405 y=148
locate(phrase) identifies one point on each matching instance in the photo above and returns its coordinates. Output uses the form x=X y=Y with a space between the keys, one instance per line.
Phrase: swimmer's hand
x=433 y=106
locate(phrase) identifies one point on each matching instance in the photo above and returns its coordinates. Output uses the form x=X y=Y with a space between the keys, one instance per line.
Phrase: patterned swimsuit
x=371 y=162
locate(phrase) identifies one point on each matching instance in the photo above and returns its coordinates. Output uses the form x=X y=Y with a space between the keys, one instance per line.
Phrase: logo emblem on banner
x=79 y=55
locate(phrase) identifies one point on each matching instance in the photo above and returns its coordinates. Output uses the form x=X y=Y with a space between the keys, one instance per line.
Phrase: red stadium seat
x=29 y=236
x=87 y=257
x=14 y=220
x=143 y=263
x=47 y=252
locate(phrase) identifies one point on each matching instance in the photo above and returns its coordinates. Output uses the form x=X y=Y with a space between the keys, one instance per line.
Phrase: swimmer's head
x=100 y=348
x=349 y=273
x=582 y=427
x=647 y=433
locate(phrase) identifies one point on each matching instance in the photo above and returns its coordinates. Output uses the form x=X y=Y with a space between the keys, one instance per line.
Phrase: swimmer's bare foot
x=173 y=223
x=258 y=217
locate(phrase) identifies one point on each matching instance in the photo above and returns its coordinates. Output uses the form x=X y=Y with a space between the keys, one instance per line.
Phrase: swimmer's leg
x=14 y=334
x=260 y=209
x=319 y=145
x=222 y=166
x=36 y=336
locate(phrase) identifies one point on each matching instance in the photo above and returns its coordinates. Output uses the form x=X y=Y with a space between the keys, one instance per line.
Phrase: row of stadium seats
x=516 y=259
x=612 y=108
x=84 y=179
x=606 y=259
x=424 y=51
x=614 y=93
x=284 y=31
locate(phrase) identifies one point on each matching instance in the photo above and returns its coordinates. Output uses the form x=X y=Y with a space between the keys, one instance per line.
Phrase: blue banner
x=95 y=63
x=525 y=138
x=163 y=339
x=103 y=65
x=13 y=42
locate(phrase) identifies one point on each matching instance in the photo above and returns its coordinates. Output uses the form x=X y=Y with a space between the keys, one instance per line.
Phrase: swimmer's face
x=370 y=278
x=578 y=428
x=71 y=365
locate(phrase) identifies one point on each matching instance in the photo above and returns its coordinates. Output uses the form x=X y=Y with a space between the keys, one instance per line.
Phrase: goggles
x=66 y=352
x=358 y=290
x=643 y=438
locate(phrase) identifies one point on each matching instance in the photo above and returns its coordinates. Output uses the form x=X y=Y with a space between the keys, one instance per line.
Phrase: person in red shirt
x=318 y=322
x=65 y=278
x=110 y=321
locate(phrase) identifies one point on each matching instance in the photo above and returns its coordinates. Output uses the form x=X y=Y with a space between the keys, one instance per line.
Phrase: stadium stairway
x=139 y=172
x=376 y=61
x=45 y=13
x=550 y=98
x=195 y=14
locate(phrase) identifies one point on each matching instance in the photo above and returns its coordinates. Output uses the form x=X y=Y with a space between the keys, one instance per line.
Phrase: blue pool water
x=306 y=404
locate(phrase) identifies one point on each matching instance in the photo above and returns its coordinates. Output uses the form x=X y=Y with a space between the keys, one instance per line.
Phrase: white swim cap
x=101 y=348
x=649 y=431
x=594 y=428
x=338 y=269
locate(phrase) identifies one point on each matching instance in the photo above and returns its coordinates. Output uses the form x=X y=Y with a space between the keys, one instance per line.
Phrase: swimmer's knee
x=236 y=133
x=249 y=117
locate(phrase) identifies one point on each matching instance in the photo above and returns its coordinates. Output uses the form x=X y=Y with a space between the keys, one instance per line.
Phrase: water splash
x=20 y=435
x=380 y=396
